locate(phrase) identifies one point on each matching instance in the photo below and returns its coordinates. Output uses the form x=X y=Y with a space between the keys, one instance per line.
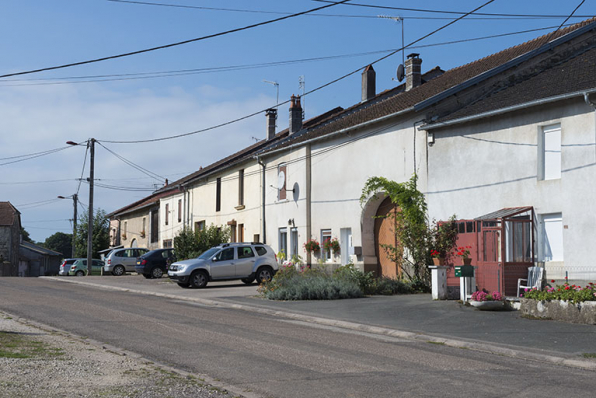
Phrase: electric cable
x=233 y=68
x=306 y=93
x=172 y=44
x=134 y=165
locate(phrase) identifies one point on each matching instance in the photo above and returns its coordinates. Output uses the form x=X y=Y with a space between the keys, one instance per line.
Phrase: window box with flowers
x=123 y=236
x=312 y=246
x=142 y=234
x=438 y=259
x=332 y=244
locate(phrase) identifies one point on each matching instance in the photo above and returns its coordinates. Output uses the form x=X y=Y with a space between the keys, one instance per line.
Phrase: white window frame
x=551 y=225
x=293 y=242
x=549 y=156
x=283 y=240
x=326 y=255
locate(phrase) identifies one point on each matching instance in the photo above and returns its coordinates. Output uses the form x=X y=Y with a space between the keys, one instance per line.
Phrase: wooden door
x=385 y=227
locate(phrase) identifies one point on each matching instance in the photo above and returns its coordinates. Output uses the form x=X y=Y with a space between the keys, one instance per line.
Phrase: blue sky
x=42 y=111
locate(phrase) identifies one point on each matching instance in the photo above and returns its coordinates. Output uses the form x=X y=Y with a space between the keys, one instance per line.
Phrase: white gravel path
x=68 y=366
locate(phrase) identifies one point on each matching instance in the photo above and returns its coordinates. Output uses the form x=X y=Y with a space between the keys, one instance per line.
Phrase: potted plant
x=464 y=253
x=331 y=244
x=142 y=234
x=486 y=301
x=312 y=246
x=437 y=258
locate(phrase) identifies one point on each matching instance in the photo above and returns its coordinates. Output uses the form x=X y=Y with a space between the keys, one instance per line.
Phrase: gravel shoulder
x=36 y=361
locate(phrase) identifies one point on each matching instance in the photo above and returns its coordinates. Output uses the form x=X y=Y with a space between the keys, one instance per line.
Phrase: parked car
x=120 y=261
x=244 y=261
x=65 y=266
x=155 y=263
x=79 y=267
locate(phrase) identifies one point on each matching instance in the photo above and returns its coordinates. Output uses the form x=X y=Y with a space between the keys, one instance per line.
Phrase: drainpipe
x=414 y=127
x=593 y=105
x=308 y=200
x=264 y=232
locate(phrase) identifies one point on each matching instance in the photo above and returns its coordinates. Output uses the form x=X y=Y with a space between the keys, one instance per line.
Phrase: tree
x=189 y=244
x=59 y=242
x=25 y=235
x=101 y=234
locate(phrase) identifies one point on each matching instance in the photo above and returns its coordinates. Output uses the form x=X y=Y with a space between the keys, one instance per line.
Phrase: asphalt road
x=274 y=357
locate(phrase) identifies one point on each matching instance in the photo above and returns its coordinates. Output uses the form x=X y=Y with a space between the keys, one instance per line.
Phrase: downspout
x=308 y=200
x=593 y=105
x=414 y=127
x=263 y=224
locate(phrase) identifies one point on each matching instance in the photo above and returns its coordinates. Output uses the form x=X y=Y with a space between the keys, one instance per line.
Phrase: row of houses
x=507 y=143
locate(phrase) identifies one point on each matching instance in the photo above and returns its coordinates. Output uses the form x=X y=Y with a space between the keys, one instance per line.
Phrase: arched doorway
x=384 y=233
x=133 y=243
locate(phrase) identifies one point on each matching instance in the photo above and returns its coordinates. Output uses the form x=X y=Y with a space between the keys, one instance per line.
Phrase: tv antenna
x=302 y=86
x=400 y=69
x=276 y=84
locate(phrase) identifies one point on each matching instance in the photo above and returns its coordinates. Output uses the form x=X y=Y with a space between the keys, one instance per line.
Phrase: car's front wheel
x=264 y=274
x=118 y=270
x=199 y=279
x=156 y=272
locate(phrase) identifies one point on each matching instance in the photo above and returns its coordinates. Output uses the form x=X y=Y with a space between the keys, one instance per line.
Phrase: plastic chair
x=534 y=280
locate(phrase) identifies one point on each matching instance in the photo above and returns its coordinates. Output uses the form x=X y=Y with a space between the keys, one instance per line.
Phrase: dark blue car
x=155 y=263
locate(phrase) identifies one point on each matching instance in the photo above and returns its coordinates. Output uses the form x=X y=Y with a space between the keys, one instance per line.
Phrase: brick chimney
x=271 y=119
x=413 y=71
x=295 y=115
x=369 y=77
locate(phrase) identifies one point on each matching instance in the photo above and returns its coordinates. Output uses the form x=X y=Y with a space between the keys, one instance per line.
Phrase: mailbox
x=464 y=271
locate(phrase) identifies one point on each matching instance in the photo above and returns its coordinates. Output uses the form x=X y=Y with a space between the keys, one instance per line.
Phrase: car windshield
x=209 y=253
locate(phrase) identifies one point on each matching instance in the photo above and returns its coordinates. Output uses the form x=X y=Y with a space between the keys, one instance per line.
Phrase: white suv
x=120 y=261
x=244 y=261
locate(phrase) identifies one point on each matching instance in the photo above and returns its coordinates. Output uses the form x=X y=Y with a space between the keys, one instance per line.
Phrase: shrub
x=565 y=292
x=190 y=244
x=310 y=284
x=389 y=286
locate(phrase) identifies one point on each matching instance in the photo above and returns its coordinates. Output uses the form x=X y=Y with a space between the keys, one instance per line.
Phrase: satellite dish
x=400 y=72
x=281 y=180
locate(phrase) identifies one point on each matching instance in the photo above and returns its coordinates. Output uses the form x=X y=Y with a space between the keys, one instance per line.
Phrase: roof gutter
x=507 y=65
x=525 y=105
x=342 y=131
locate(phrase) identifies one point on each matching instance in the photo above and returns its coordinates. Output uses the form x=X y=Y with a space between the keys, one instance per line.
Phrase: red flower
x=552 y=281
x=566 y=287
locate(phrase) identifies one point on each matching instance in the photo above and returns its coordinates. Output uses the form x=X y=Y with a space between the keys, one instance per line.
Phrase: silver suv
x=120 y=261
x=244 y=261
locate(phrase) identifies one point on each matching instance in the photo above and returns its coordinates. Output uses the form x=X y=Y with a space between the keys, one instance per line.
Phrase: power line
x=173 y=44
x=232 y=68
x=32 y=155
x=306 y=93
x=493 y=16
x=454 y=12
x=134 y=165
x=565 y=21
x=36 y=182
x=83 y=170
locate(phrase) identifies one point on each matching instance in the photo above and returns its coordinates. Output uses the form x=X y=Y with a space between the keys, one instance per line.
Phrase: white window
x=283 y=240
x=325 y=235
x=550 y=152
x=293 y=242
x=552 y=237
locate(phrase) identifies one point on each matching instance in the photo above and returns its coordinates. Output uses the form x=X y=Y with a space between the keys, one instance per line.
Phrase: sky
x=204 y=83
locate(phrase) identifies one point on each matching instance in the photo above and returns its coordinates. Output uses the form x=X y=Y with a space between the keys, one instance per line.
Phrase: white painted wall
x=481 y=167
x=202 y=196
x=173 y=227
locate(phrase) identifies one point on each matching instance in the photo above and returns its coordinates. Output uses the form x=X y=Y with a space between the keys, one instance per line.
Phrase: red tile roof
x=7 y=214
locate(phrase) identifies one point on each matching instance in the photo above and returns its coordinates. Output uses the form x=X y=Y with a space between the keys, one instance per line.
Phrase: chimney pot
x=413 y=71
x=369 y=89
x=295 y=115
x=271 y=119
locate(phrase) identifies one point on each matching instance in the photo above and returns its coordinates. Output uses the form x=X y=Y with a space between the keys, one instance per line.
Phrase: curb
x=420 y=337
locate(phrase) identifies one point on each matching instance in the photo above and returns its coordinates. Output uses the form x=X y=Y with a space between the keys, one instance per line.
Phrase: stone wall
x=560 y=310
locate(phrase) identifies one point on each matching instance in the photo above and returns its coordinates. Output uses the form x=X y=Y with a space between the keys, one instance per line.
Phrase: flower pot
x=438 y=260
x=467 y=261
x=491 y=305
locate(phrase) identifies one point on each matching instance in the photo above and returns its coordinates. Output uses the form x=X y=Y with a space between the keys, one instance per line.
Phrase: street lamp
x=91 y=146
x=74 y=197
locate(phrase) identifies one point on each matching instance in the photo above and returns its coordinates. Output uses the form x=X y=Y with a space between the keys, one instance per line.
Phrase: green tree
x=59 y=242
x=25 y=235
x=189 y=244
x=101 y=234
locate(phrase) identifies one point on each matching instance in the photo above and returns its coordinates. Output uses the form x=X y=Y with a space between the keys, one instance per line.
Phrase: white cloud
x=38 y=118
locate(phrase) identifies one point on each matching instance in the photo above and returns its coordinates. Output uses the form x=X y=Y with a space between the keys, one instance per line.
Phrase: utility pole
x=75 y=199
x=91 y=144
